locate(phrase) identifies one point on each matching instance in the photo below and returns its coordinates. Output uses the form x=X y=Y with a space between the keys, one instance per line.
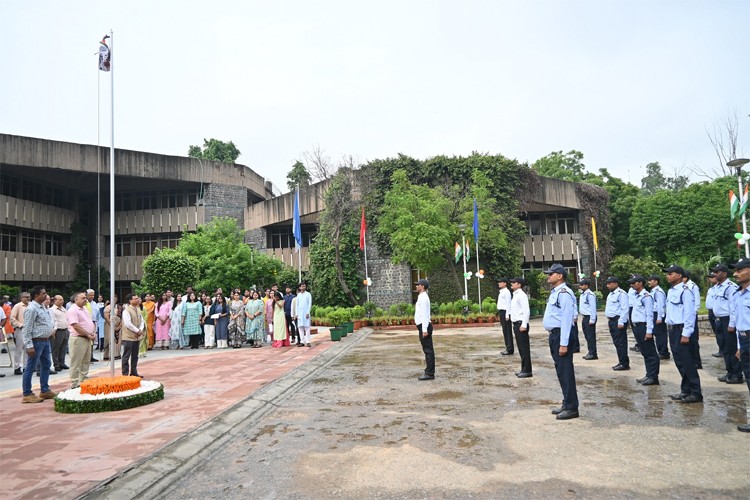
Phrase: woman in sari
x=220 y=312
x=236 y=321
x=254 y=320
x=150 y=308
x=163 y=308
x=268 y=305
x=191 y=320
x=280 y=335
x=175 y=323
x=143 y=343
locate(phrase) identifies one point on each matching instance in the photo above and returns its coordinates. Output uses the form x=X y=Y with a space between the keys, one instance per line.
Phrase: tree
x=568 y=166
x=723 y=138
x=654 y=180
x=167 y=269
x=320 y=165
x=624 y=266
x=622 y=198
x=215 y=150
x=298 y=176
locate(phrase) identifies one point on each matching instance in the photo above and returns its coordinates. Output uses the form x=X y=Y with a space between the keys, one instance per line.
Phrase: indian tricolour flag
x=734 y=205
x=457 y=252
x=743 y=205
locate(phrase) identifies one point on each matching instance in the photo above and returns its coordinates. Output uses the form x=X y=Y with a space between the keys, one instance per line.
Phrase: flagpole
x=466 y=282
x=479 y=280
x=367 y=274
x=112 y=273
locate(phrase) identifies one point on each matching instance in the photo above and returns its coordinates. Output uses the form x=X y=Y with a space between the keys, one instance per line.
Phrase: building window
x=31 y=242
x=282 y=237
x=170 y=240
x=534 y=225
x=123 y=246
x=8 y=239
x=148 y=200
x=145 y=245
x=9 y=186
x=53 y=244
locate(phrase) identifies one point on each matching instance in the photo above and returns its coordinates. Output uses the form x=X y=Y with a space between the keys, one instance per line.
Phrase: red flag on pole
x=362 y=231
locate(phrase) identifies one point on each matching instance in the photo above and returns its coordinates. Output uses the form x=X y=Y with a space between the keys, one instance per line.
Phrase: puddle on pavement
x=442 y=395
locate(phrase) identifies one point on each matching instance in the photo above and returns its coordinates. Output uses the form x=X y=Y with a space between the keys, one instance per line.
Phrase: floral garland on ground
x=73 y=401
x=109 y=385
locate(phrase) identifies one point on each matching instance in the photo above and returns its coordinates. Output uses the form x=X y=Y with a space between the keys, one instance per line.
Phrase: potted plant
x=336 y=334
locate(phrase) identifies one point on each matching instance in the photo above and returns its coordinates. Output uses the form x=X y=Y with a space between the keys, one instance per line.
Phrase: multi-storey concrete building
x=54 y=213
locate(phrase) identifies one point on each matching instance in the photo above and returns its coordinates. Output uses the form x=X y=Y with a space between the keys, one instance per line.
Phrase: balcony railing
x=33 y=215
x=550 y=247
x=164 y=220
x=18 y=266
x=290 y=257
x=127 y=268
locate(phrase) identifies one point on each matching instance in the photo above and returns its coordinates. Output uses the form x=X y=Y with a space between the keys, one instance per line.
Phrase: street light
x=462 y=227
x=738 y=163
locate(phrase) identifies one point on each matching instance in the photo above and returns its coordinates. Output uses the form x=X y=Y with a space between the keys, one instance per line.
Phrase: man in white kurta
x=424 y=327
x=304 y=305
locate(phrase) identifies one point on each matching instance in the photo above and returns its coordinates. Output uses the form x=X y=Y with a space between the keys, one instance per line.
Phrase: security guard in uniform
x=643 y=329
x=681 y=326
x=660 y=311
x=739 y=321
x=558 y=320
x=587 y=309
x=694 y=346
x=712 y=316
x=617 y=311
x=722 y=294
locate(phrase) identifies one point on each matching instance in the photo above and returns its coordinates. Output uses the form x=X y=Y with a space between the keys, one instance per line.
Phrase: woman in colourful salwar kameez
x=280 y=334
x=254 y=321
x=163 y=322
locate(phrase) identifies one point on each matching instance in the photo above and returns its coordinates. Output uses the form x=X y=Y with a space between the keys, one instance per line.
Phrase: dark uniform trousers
x=522 y=339
x=719 y=339
x=729 y=347
x=575 y=342
x=506 y=326
x=565 y=371
x=648 y=350
x=685 y=362
x=745 y=355
x=59 y=348
x=429 y=352
x=620 y=340
x=695 y=347
x=589 y=332
x=661 y=337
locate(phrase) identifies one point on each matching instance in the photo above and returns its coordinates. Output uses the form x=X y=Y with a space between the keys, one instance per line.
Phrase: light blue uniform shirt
x=696 y=295
x=681 y=308
x=643 y=310
x=722 y=295
x=710 y=298
x=617 y=305
x=631 y=297
x=739 y=312
x=560 y=312
x=660 y=299
x=587 y=305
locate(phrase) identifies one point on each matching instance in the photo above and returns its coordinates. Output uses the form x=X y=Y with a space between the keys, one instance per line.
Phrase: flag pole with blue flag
x=476 y=250
x=297 y=232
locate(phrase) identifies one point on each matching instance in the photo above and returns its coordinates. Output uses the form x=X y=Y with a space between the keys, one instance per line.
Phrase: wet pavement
x=364 y=427
x=350 y=420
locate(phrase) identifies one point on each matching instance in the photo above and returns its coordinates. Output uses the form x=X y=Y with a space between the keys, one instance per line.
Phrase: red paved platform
x=45 y=454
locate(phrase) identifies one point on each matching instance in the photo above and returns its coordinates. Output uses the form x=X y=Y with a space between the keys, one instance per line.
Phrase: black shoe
x=640 y=380
x=4 y=350
x=93 y=360
x=17 y=371
x=743 y=428
x=650 y=381
x=576 y=351
x=426 y=377
x=524 y=375
x=506 y=353
x=664 y=356
x=66 y=367
x=699 y=366
x=567 y=415
x=2 y=375
x=723 y=378
x=300 y=344
x=734 y=380
x=51 y=372
x=38 y=374
x=136 y=375
x=557 y=411
x=590 y=357
x=635 y=348
x=620 y=368
x=718 y=355
x=692 y=398
x=678 y=397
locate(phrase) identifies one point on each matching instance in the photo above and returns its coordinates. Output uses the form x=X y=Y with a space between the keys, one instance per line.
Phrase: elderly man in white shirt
x=519 y=316
x=503 y=312
x=424 y=326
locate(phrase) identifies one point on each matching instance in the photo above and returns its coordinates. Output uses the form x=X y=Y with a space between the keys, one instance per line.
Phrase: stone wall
x=223 y=200
x=256 y=238
x=391 y=283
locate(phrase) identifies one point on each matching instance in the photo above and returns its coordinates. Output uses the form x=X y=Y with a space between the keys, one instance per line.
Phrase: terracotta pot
x=357 y=325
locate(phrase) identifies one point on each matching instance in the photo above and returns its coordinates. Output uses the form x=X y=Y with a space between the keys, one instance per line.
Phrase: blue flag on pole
x=476 y=222
x=296 y=225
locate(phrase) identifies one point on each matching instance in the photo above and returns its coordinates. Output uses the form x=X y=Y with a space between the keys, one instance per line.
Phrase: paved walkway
x=45 y=454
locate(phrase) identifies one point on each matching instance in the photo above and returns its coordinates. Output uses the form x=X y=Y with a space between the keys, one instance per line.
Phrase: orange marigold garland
x=109 y=385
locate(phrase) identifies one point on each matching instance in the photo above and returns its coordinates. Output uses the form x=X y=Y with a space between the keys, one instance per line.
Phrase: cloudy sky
x=625 y=82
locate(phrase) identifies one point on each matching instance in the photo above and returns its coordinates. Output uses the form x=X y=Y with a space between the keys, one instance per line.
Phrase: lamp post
x=462 y=227
x=738 y=163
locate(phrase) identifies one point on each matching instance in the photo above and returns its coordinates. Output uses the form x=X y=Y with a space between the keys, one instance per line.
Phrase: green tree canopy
x=298 y=176
x=622 y=198
x=655 y=180
x=216 y=150
x=624 y=266
x=167 y=269
x=567 y=166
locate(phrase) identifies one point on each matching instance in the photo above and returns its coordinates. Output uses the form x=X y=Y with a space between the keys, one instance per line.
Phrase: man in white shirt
x=503 y=311
x=519 y=316
x=424 y=326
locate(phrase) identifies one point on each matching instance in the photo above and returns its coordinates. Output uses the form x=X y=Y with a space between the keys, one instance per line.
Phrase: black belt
x=744 y=333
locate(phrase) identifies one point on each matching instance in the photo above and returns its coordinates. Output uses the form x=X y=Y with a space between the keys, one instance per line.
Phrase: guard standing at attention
x=739 y=321
x=694 y=346
x=558 y=319
x=587 y=309
x=617 y=312
x=712 y=316
x=519 y=316
x=660 y=327
x=631 y=301
x=681 y=325
x=723 y=293
x=424 y=327
x=503 y=312
x=643 y=329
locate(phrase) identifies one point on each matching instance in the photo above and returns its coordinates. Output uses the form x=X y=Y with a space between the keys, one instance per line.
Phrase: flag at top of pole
x=476 y=222
x=593 y=233
x=745 y=197
x=105 y=56
x=296 y=225
x=362 y=231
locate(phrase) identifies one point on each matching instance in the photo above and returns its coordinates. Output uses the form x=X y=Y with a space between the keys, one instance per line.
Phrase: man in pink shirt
x=82 y=333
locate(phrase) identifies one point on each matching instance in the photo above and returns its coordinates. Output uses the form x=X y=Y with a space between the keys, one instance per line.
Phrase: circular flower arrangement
x=109 y=394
